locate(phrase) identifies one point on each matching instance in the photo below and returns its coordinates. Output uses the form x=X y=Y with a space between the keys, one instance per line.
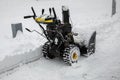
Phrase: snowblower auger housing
x=60 y=37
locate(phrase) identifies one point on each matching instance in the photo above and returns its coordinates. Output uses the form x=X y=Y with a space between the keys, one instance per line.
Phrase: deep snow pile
x=21 y=44
x=86 y=16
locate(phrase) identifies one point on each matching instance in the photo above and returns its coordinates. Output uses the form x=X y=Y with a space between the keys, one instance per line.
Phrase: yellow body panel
x=42 y=20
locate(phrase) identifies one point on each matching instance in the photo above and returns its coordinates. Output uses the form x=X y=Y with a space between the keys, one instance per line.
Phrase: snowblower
x=59 y=35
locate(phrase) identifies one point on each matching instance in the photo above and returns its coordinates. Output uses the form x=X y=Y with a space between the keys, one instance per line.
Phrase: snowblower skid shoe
x=91 y=46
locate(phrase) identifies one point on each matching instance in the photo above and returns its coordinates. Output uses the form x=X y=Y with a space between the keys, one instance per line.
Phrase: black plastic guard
x=91 y=44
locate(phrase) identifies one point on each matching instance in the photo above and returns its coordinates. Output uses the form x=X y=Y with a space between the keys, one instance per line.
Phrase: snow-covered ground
x=86 y=16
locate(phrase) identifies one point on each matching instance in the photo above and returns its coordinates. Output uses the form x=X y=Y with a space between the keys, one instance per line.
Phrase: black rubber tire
x=69 y=53
x=45 y=51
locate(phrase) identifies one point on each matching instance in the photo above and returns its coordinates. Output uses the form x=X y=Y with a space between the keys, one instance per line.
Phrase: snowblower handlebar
x=25 y=17
x=41 y=19
x=31 y=16
x=54 y=13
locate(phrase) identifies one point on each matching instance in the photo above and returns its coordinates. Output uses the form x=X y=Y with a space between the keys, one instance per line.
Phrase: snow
x=22 y=43
x=87 y=16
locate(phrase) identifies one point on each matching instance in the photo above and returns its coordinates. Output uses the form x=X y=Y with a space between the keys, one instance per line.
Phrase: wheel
x=71 y=54
x=45 y=51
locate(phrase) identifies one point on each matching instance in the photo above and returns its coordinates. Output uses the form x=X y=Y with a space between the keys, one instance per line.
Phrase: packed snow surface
x=87 y=16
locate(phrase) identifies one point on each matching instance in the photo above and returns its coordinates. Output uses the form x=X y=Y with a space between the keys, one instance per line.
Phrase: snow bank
x=19 y=45
x=20 y=50
x=11 y=62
